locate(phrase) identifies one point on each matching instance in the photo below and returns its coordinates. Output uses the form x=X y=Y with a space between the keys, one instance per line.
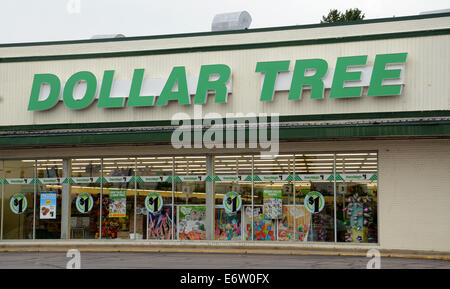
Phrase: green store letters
x=270 y=70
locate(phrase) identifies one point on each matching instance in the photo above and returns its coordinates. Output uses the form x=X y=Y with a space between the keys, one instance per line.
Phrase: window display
x=356 y=190
x=273 y=189
x=156 y=220
x=191 y=222
x=18 y=181
x=233 y=191
x=310 y=197
x=190 y=197
x=118 y=198
x=228 y=224
x=85 y=190
x=293 y=216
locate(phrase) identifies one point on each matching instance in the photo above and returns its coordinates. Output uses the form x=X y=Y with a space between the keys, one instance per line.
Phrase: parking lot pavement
x=149 y=260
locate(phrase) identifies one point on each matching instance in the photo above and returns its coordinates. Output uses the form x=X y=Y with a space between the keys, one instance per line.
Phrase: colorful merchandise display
x=360 y=218
x=191 y=222
x=264 y=229
x=286 y=224
x=160 y=224
x=319 y=231
x=228 y=226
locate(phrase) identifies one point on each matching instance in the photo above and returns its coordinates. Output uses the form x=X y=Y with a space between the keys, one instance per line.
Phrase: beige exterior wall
x=426 y=84
x=413 y=184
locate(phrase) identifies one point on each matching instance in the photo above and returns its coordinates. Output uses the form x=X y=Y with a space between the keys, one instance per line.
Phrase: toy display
x=191 y=222
x=228 y=226
x=264 y=229
x=361 y=218
x=319 y=231
x=286 y=224
x=160 y=224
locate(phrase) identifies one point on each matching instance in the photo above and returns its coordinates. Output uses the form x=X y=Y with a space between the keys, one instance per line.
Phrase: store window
x=118 y=198
x=273 y=198
x=48 y=198
x=2 y=176
x=85 y=186
x=295 y=197
x=356 y=191
x=18 y=198
x=190 y=197
x=233 y=195
x=315 y=196
x=155 y=217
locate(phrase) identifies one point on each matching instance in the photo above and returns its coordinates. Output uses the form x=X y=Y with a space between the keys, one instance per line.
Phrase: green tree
x=349 y=15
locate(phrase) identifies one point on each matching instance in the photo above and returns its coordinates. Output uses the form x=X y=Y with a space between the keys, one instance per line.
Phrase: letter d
x=55 y=87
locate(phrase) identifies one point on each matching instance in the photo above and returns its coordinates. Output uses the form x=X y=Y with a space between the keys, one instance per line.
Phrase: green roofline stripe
x=287 y=118
x=294 y=133
x=246 y=31
x=420 y=33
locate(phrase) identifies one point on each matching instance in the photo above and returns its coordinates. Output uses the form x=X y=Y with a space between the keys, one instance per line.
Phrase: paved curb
x=208 y=247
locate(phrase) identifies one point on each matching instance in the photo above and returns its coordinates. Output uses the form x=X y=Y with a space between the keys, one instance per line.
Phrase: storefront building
x=358 y=123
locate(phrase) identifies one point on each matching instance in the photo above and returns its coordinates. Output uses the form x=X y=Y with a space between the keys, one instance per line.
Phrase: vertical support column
x=101 y=200
x=34 y=199
x=253 y=197
x=66 y=200
x=173 y=198
x=293 y=193
x=3 y=197
x=135 y=197
x=210 y=199
x=335 y=218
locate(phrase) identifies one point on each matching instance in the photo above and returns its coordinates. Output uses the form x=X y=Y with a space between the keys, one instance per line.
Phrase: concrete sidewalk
x=230 y=247
x=150 y=260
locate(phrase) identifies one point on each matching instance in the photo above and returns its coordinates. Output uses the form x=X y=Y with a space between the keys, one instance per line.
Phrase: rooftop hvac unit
x=435 y=11
x=231 y=21
x=107 y=36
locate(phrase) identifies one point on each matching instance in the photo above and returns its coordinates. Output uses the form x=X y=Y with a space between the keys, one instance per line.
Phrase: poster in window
x=294 y=214
x=228 y=225
x=272 y=204
x=160 y=224
x=48 y=205
x=117 y=204
x=264 y=228
x=191 y=222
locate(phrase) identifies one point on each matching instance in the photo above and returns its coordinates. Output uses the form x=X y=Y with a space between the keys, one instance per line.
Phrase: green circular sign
x=232 y=202
x=154 y=202
x=314 y=202
x=18 y=204
x=84 y=203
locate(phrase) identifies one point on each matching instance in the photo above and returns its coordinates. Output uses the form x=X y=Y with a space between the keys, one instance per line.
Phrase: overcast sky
x=52 y=20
